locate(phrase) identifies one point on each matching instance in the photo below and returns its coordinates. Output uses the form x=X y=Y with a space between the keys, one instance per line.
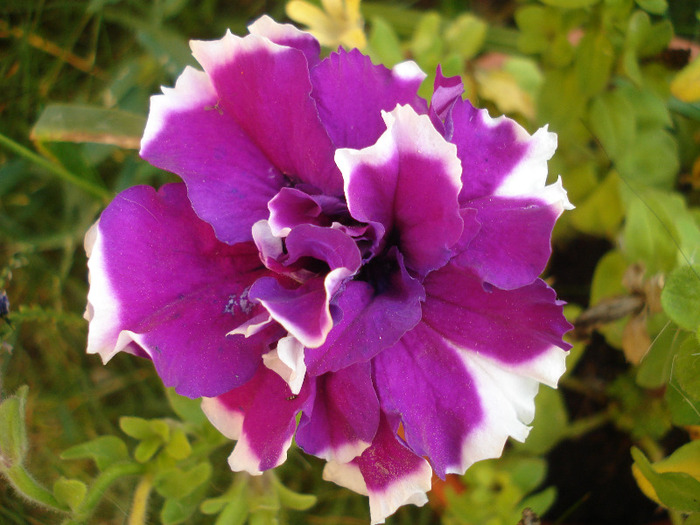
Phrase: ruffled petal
x=287 y=361
x=373 y=318
x=266 y=89
x=228 y=179
x=351 y=93
x=458 y=406
x=345 y=415
x=162 y=285
x=446 y=92
x=408 y=182
x=261 y=416
x=289 y=36
x=498 y=156
x=512 y=246
x=512 y=327
x=388 y=472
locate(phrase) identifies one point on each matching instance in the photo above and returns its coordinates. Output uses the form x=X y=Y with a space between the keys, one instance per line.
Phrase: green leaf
x=104 y=451
x=80 y=123
x=294 y=500
x=687 y=368
x=570 y=4
x=680 y=297
x=646 y=239
x=465 y=36
x=13 y=429
x=160 y=428
x=601 y=213
x=384 y=45
x=527 y=473
x=540 y=502
x=179 y=510
x=684 y=410
x=136 y=427
x=178 y=447
x=536 y=23
x=425 y=47
x=655 y=369
x=234 y=513
x=612 y=121
x=676 y=490
x=178 y=483
x=650 y=109
x=70 y=492
x=189 y=410
x=147 y=448
x=657 y=7
x=595 y=56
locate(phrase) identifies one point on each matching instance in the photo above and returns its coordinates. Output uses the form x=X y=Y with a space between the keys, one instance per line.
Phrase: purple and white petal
x=261 y=416
x=344 y=418
x=351 y=93
x=423 y=384
x=512 y=327
x=229 y=180
x=371 y=320
x=513 y=244
x=408 y=181
x=498 y=156
x=287 y=35
x=446 y=92
x=160 y=280
x=265 y=88
x=287 y=361
x=393 y=476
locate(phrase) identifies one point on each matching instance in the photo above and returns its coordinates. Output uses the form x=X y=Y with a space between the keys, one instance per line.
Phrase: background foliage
x=616 y=443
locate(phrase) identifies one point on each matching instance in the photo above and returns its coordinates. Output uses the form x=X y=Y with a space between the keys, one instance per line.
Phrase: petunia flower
x=342 y=254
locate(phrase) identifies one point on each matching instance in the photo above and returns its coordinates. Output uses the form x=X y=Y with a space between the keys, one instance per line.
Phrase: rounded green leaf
x=70 y=492
x=570 y=4
x=104 y=451
x=676 y=490
x=680 y=297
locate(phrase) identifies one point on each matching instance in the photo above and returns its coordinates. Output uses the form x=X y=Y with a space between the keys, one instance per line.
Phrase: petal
x=423 y=382
x=390 y=474
x=408 y=181
x=457 y=406
x=371 y=321
x=305 y=310
x=513 y=327
x=498 y=156
x=446 y=92
x=228 y=179
x=266 y=89
x=287 y=35
x=261 y=415
x=351 y=93
x=292 y=207
x=512 y=246
x=345 y=415
x=287 y=361
x=161 y=280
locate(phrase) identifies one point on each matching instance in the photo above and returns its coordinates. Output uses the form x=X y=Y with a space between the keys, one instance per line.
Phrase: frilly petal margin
x=229 y=180
x=287 y=35
x=266 y=89
x=164 y=287
x=261 y=416
x=351 y=93
x=408 y=182
x=389 y=473
x=345 y=415
x=513 y=243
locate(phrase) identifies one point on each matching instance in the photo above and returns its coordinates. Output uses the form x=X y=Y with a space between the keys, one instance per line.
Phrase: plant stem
x=139 y=504
x=102 y=483
x=56 y=169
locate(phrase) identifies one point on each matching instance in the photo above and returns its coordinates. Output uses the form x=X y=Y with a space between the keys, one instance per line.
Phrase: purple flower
x=339 y=249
